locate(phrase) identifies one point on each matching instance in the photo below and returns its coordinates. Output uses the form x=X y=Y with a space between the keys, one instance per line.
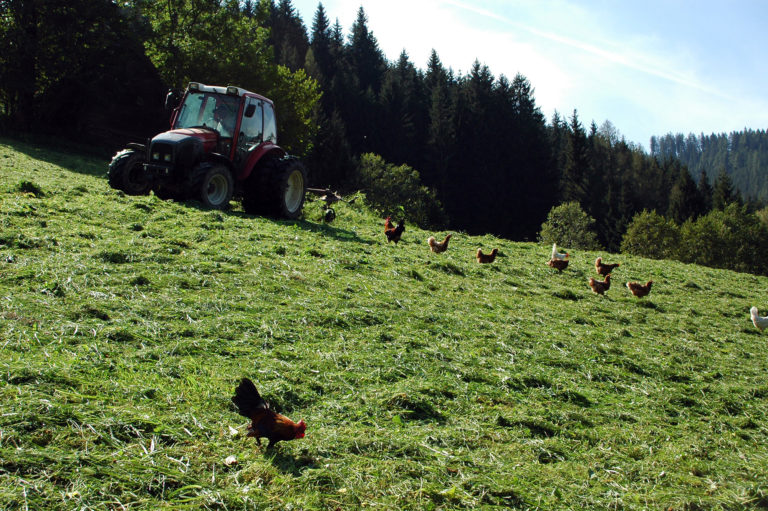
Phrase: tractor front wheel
x=126 y=173
x=216 y=187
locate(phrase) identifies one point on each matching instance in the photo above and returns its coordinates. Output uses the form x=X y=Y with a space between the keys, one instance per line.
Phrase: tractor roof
x=230 y=90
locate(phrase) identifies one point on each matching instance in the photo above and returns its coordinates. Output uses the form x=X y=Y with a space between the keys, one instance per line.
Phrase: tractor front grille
x=161 y=153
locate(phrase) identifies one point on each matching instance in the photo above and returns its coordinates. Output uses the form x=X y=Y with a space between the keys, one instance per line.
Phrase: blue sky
x=650 y=68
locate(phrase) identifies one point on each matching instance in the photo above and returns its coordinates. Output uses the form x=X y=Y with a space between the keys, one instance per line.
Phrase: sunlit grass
x=427 y=381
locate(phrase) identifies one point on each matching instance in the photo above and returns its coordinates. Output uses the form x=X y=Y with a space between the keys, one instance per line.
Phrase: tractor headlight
x=167 y=158
x=155 y=156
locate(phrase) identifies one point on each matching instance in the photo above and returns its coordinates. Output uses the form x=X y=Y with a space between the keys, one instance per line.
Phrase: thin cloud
x=636 y=62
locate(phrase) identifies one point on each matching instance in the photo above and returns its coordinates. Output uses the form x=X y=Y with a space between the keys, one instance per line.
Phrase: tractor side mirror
x=172 y=99
x=249 y=110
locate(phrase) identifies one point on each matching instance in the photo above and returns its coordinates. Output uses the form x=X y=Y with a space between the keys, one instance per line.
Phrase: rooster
x=600 y=287
x=393 y=233
x=760 y=321
x=638 y=289
x=264 y=421
x=486 y=258
x=558 y=264
x=558 y=255
x=438 y=246
x=604 y=268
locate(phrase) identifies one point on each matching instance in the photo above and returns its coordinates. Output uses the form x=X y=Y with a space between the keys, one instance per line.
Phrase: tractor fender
x=138 y=147
x=218 y=159
x=266 y=150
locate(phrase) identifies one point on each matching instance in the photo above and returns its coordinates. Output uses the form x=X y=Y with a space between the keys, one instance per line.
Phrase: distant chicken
x=264 y=421
x=393 y=233
x=759 y=321
x=486 y=258
x=438 y=246
x=600 y=287
x=604 y=268
x=638 y=289
x=560 y=256
x=558 y=264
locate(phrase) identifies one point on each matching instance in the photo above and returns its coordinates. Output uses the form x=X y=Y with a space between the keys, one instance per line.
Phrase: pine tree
x=685 y=201
x=404 y=110
x=706 y=191
x=441 y=138
x=723 y=192
x=288 y=35
x=576 y=169
x=367 y=61
x=321 y=47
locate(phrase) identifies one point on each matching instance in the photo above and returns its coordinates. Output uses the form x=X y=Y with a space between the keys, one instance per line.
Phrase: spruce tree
x=576 y=170
x=723 y=192
x=706 y=191
x=685 y=201
x=288 y=35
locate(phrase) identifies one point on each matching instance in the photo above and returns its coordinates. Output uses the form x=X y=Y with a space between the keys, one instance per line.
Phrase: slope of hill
x=427 y=381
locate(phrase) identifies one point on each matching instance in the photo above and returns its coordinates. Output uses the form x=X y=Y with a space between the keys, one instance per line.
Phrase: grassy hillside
x=427 y=381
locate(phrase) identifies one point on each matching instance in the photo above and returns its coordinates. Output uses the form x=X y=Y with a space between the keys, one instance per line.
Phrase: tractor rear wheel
x=278 y=189
x=215 y=187
x=126 y=173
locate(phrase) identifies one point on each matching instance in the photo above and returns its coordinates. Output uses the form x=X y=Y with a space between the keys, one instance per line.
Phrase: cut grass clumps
x=426 y=381
x=412 y=407
x=115 y=257
x=30 y=188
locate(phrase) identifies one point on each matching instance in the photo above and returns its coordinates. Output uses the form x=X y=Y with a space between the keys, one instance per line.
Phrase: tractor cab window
x=214 y=111
x=270 y=126
x=224 y=114
x=251 y=127
x=191 y=111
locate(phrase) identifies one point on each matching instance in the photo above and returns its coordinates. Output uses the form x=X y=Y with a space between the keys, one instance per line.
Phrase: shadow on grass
x=324 y=229
x=288 y=463
x=91 y=161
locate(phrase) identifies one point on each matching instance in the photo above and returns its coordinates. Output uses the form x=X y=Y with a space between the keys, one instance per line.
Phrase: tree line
x=475 y=148
x=741 y=155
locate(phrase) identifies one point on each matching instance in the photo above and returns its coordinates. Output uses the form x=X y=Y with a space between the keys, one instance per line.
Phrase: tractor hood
x=206 y=136
x=183 y=147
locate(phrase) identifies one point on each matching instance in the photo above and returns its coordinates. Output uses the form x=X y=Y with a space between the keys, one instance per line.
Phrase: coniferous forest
x=474 y=147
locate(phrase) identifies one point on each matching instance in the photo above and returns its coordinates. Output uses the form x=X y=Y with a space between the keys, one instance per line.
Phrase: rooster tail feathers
x=247 y=398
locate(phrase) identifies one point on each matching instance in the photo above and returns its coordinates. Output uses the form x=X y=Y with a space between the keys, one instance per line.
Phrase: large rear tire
x=126 y=173
x=216 y=186
x=278 y=189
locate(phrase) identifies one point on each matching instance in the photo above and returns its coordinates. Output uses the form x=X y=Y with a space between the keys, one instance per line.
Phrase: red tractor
x=222 y=143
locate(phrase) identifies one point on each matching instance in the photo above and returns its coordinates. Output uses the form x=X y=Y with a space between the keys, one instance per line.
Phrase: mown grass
x=427 y=381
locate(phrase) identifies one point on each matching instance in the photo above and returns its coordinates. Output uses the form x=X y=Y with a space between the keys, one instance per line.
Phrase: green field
x=427 y=381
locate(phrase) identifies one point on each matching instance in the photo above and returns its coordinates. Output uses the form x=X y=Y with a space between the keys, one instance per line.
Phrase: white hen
x=558 y=255
x=760 y=321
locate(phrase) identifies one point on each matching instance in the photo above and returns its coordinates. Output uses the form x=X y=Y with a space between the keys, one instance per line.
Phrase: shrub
x=731 y=238
x=651 y=235
x=569 y=226
x=396 y=190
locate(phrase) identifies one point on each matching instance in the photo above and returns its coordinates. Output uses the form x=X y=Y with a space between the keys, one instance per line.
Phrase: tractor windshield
x=216 y=111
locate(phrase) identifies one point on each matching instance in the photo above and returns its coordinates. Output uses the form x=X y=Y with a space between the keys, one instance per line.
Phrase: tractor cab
x=240 y=120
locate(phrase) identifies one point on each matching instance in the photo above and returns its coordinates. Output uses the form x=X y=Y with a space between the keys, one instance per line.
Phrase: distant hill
x=742 y=154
